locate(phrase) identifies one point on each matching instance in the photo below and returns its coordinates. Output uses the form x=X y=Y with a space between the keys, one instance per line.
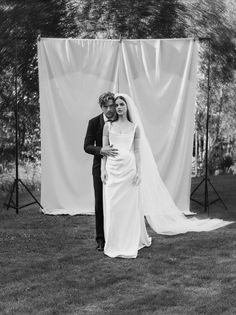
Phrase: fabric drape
x=160 y=75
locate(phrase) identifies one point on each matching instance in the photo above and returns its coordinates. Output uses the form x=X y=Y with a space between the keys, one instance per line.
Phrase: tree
x=22 y=22
x=216 y=20
x=129 y=19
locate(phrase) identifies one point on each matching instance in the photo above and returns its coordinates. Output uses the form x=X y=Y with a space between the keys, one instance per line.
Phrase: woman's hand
x=137 y=179
x=104 y=177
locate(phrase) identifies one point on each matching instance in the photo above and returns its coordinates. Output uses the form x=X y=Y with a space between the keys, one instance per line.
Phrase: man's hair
x=105 y=97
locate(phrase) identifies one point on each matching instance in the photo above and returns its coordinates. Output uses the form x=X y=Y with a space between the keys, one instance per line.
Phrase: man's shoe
x=100 y=246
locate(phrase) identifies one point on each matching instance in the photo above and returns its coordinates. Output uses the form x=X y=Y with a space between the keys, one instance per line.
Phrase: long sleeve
x=105 y=142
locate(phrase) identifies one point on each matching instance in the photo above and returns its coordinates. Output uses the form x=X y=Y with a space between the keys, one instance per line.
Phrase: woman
x=124 y=224
x=133 y=188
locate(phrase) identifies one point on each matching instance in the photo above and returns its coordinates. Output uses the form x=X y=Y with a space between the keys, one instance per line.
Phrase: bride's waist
x=122 y=154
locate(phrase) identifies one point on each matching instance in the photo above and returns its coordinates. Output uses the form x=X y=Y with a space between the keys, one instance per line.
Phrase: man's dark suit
x=93 y=145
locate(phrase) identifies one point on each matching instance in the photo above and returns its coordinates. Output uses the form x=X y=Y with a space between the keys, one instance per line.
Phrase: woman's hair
x=124 y=100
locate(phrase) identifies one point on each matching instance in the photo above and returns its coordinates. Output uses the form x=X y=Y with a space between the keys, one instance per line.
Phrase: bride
x=134 y=189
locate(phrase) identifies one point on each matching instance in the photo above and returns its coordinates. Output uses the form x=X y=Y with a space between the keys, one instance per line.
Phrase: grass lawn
x=49 y=265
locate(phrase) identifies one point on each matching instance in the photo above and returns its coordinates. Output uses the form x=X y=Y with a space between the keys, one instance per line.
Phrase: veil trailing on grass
x=156 y=202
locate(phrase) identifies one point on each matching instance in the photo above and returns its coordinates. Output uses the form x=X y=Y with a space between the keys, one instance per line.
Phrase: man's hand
x=109 y=151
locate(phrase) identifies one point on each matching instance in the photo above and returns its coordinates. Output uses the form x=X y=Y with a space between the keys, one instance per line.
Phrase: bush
x=226 y=163
x=29 y=173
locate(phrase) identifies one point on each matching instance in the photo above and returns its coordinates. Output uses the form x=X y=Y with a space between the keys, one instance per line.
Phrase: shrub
x=226 y=163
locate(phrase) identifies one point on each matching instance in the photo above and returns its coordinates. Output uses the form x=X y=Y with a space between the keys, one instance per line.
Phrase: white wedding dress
x=125 y=204
x=124 y=224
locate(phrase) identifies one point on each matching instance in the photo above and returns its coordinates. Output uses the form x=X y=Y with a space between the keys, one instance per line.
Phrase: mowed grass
x=49 y=265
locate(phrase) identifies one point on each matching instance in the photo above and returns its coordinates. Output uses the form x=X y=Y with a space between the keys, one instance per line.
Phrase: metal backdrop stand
x=15 y=187
x=206 y=180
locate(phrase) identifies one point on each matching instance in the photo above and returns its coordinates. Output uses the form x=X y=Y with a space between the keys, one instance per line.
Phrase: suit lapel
x=102 y=121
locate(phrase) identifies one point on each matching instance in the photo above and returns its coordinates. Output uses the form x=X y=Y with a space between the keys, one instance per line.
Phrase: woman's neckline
x=122 y=133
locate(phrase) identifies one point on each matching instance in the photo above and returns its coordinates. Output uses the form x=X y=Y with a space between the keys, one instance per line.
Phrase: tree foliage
x=22 y=21
x=130 y=19
x=215 y=20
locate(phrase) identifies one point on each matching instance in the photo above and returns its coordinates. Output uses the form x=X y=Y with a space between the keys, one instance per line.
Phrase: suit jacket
x=93 y=142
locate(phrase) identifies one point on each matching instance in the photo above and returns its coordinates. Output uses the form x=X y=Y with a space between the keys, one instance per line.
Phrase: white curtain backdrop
x=160 y=75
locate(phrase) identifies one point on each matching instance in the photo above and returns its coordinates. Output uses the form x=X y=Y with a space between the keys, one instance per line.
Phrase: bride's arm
x=105 y=142
x=137 y=177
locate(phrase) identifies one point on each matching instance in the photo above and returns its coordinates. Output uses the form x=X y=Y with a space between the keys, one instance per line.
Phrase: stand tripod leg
x=217 y=194
x=196 y=188
x=31 y=194
x=11 y=194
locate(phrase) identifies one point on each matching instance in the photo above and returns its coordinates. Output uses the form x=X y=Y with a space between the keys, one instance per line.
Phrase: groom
x=93 y=145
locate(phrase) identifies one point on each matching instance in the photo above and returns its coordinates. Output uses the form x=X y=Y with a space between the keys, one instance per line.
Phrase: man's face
x=109 y=109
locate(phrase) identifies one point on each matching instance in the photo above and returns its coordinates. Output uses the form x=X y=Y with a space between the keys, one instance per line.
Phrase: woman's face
x=121 y=107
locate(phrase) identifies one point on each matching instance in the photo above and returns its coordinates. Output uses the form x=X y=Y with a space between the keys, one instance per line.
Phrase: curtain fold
x=160 y=75
x=72 y=75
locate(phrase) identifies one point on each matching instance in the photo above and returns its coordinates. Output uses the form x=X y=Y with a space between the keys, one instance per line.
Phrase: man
x=93 y=145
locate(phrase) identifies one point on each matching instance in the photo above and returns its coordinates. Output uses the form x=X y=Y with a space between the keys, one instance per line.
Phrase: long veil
x=157 y=204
